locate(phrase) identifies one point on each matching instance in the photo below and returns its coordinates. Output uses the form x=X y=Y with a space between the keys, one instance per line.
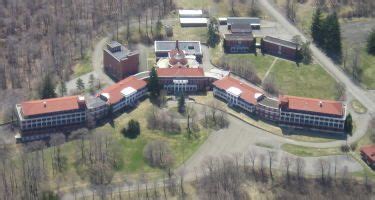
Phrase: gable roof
x=114 y=91
x=180 y=72
x=240 y=28
x=44 y=106
x=243 y=20
x=313 y=105
x=281 y=42
x=247 y=92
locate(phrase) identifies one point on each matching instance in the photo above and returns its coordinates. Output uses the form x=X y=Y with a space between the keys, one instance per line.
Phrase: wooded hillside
x=39 y=37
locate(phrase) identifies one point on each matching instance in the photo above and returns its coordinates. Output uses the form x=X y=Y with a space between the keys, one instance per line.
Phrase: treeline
x=233 y=177
x=29 y=174
x=40 y=37
x=348 y=8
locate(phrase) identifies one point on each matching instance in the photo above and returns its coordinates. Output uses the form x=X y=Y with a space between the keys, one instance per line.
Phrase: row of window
x=52 y=123
x=315 y=123
x=310 y=117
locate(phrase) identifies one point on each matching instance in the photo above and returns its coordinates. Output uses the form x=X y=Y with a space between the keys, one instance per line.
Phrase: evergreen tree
x=158 y=30
x=133 y=129
x=153 y=84
x=62 y=88
x=316 y=27
x=48 y=88
x=371 y=42
x=348 y=127
x=213 y=33
x=80 y=85
x=181 y=103
x=332 y=37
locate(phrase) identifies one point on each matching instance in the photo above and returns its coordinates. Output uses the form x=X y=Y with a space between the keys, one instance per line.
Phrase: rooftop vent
x=320 y=103
x=44 y=104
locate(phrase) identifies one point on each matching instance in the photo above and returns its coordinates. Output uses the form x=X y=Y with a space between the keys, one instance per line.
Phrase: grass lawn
x=264 y=145
x=358 y=107
x=304 y=80
x=309 y=151
x=131 y=150
x=189 y=33
x=260 y=63
x=368 y=67
x=83 y=67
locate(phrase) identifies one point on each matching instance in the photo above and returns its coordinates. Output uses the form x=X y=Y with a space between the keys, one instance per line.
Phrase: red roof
x=38 y=107
x=369 y=151
x=313 y=105
x=180 y=72
x=114 y=90
x=247 y=92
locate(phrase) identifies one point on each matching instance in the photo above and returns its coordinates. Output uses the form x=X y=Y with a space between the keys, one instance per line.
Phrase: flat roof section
x=269 y=102
x=128 y=91
x=193 y=20
x=190 y=12
x=234 y=91
x=189 y=47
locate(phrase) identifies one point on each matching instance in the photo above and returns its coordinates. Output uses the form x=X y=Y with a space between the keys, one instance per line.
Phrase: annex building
x=279 y=47
x=119 y=62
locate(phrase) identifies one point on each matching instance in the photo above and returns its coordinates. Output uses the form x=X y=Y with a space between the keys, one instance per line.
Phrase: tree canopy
x=213 y=33
x=371 y=42
x=48 y=88
x=133 y=129
x=348 y=127
x=153 y=83
x=326 y=34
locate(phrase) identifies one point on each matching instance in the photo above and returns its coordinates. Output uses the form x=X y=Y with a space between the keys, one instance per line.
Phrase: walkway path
x=269 y=69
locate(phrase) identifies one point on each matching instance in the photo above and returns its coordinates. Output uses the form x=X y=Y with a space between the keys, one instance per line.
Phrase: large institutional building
x=178 y=77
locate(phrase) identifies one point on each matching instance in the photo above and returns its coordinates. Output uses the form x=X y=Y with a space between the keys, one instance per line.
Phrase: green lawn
x=368 y=67
x=130 y=150
x=304 y=80
x=261 y=63
x=189 y=33
x=83 y=67
x=309 y=151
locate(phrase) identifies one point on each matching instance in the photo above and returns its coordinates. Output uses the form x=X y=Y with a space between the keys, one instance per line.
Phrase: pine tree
x=213 y=33
x=153 y=84
x=133 y=129
x=332 y=37
x=181 y=103
x=348 y=127
x=371 y=42
x=48 y=88
x=80 y=85
x=62 y=88
x=316 y=27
